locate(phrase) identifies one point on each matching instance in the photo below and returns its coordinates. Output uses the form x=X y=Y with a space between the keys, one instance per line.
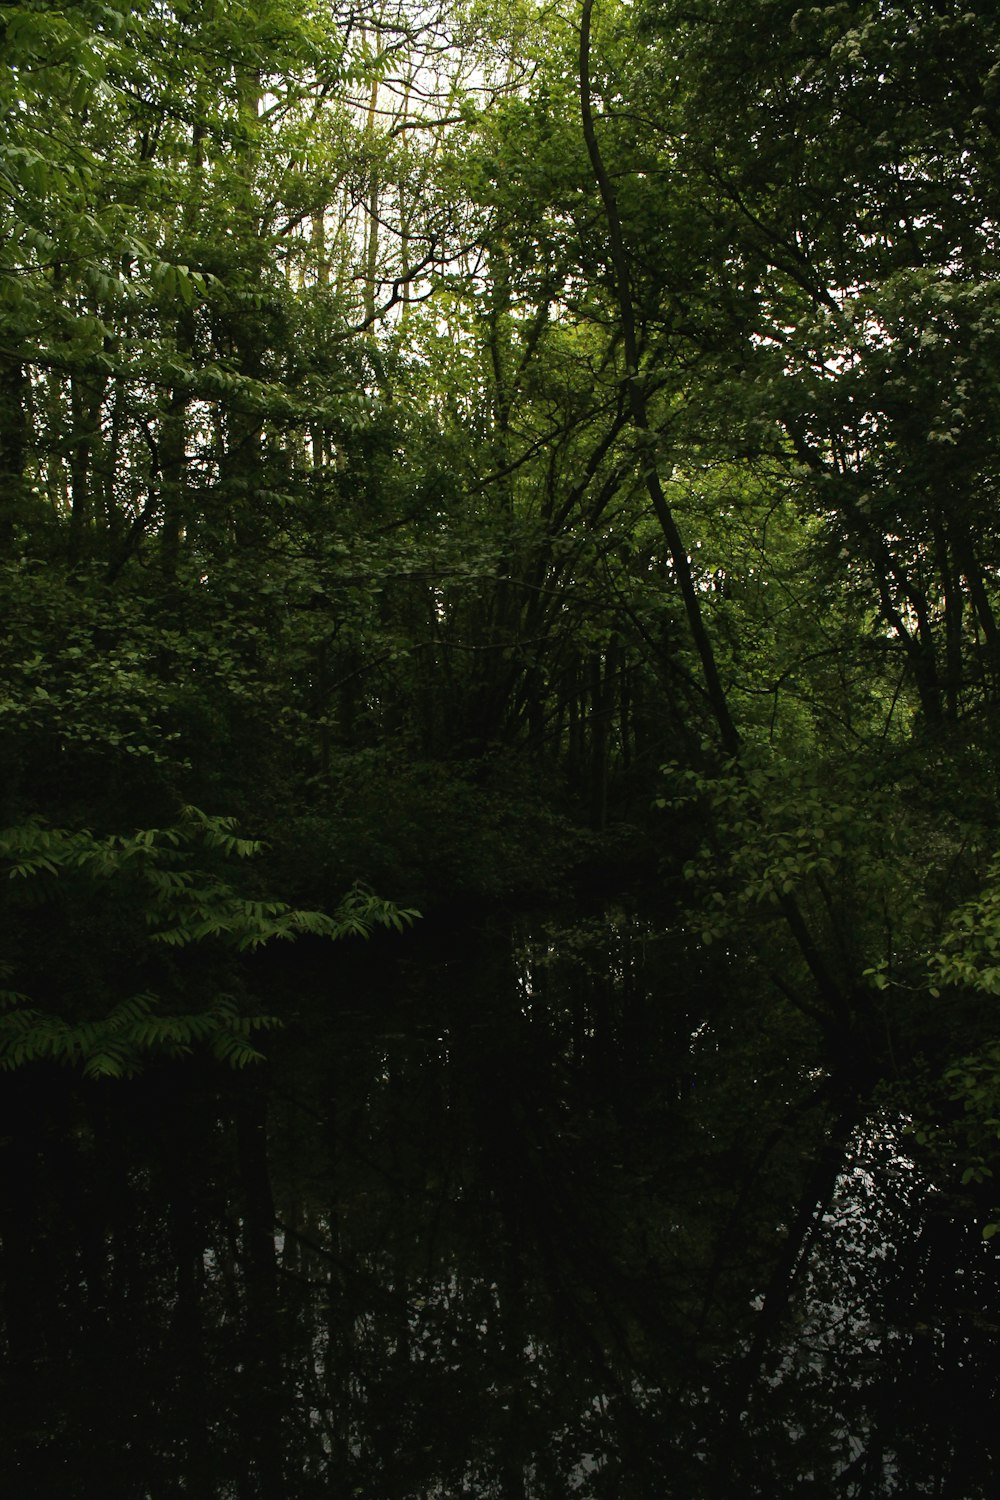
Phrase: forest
x=510 y=472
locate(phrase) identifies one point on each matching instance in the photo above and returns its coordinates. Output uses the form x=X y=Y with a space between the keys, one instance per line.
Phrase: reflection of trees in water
x=888 y=1357
x=535 y=1238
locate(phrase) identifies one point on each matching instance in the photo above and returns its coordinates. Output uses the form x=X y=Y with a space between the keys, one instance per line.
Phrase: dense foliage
x=433 y=439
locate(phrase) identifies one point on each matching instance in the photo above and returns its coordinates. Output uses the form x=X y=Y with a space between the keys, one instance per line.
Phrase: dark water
x=567 y=1217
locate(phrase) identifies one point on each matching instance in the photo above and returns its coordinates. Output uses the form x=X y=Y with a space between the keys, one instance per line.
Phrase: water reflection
x=531 y=1220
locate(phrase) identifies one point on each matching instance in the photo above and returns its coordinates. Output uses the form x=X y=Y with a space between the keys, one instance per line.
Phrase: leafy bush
x=125 y=946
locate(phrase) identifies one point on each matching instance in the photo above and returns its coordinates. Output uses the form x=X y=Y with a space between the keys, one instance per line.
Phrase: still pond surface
x=508 y=1216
